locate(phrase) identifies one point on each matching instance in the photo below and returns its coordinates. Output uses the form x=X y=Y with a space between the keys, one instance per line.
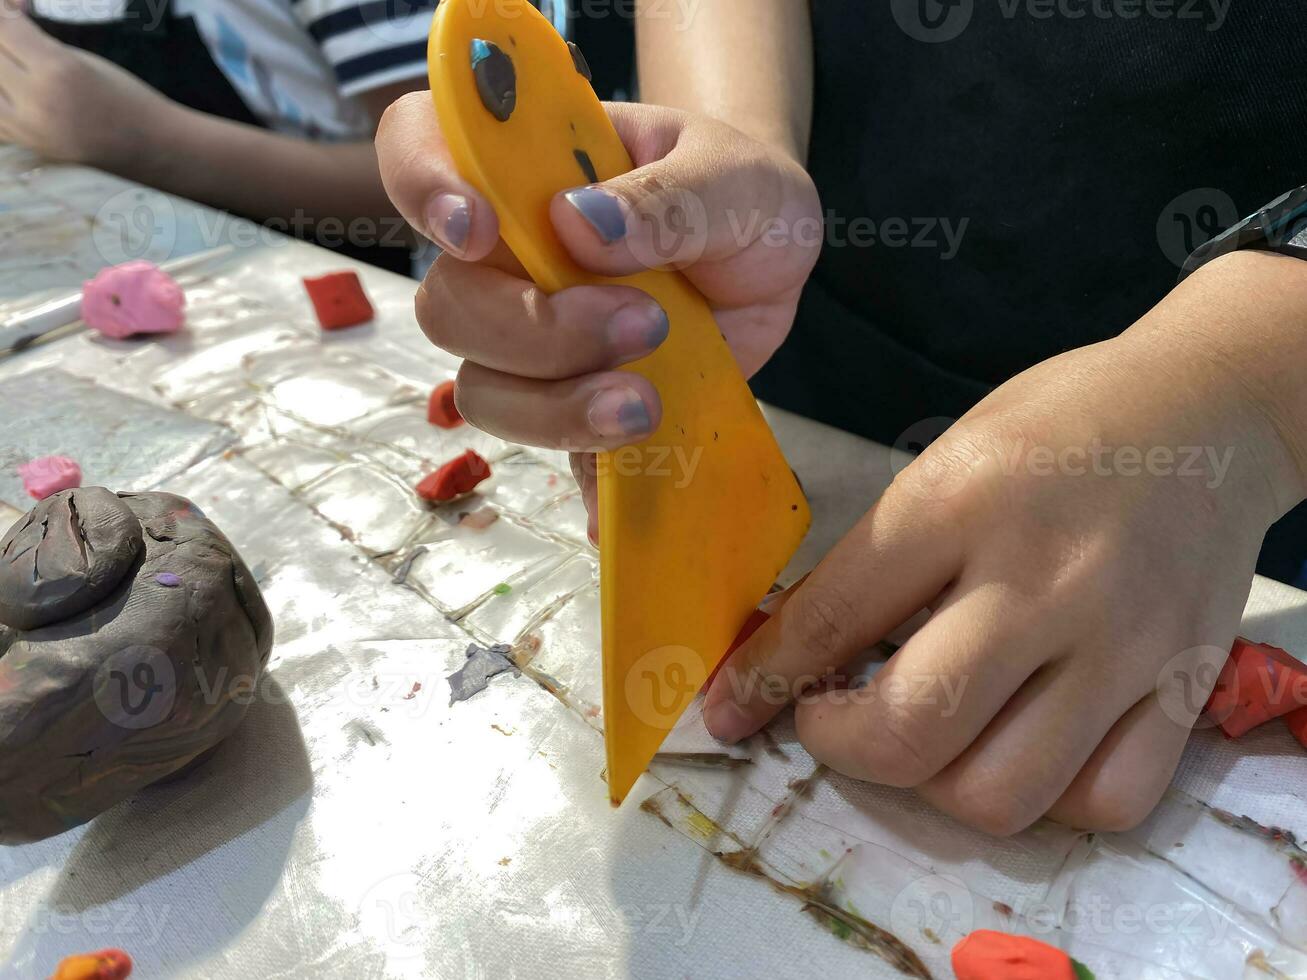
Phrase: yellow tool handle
x=696 y=522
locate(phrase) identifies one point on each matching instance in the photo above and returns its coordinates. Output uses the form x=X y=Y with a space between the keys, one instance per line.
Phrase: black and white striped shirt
x=301 y=64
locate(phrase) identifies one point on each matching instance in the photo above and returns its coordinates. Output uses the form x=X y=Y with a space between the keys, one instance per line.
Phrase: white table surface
x=358 y=826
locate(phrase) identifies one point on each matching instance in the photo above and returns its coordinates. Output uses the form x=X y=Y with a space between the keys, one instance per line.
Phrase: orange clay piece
x=441 y=409
x=339 y=300
x=1259 y=683
x=108 y=964
x=751 y=626
x=697 y=522
x=460 y=475
x=988 y=955
x=1297 y=722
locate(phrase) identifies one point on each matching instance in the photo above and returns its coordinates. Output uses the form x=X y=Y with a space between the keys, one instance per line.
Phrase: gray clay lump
x=131 y=635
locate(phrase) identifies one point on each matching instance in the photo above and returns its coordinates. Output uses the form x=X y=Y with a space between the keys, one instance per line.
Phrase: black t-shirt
x=1005 y=180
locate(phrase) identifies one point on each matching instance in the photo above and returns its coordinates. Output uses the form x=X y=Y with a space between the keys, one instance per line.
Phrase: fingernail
x=601 y=209
x=727 y=721
x=449 y=221
x=637 y=329
x=619 y=412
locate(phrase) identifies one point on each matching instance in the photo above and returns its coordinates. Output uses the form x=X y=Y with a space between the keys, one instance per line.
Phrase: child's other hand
x=69 y=105
x=1085 y=538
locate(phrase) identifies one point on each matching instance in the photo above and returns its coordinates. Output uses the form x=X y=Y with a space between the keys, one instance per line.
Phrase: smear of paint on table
x=406 y=566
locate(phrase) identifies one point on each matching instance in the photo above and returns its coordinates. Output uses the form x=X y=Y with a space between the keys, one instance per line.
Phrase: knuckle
x=940 y=474
x=551 y=355
x=421 y=304
x=817 y=620
x=662 y=201
x=649 y=190
x=466 y=400
x=399 y=108
x=63 y=74
x=384 y=126
x=1118 y=807
x=437 y=328
x=1000 y=811
x=436 y=308
x=893 y=752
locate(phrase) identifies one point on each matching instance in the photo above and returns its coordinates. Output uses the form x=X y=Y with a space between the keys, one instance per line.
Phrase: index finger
x=890 y=566
x=423 y=183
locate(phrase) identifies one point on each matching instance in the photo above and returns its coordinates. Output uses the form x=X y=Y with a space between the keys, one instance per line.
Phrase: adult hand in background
x=1086 y=539
x=70 y=105
x=540 y=369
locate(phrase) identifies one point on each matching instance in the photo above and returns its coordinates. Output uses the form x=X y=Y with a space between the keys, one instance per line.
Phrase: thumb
x=705 y=192
x=889 y=567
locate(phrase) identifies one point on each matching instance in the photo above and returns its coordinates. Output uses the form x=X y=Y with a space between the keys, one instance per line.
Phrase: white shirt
x=300 y=65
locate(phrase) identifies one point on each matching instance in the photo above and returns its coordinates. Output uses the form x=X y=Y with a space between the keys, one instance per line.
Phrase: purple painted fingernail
x=168 y=580
x=449 y=221
x=619 y=413
x=637 y=329
x=602 y=210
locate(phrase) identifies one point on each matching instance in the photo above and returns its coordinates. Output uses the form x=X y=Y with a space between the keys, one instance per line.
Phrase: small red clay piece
x=988 y=955
x=49 y=474
x=339 y=300
x=1259 y=683
x=1297 y=722
x=108 y=964
x=457 y=477
x=751 y=626
x=441 y=410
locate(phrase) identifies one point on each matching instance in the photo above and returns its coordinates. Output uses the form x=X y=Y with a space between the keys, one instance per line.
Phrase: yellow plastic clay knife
x=695 y=523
